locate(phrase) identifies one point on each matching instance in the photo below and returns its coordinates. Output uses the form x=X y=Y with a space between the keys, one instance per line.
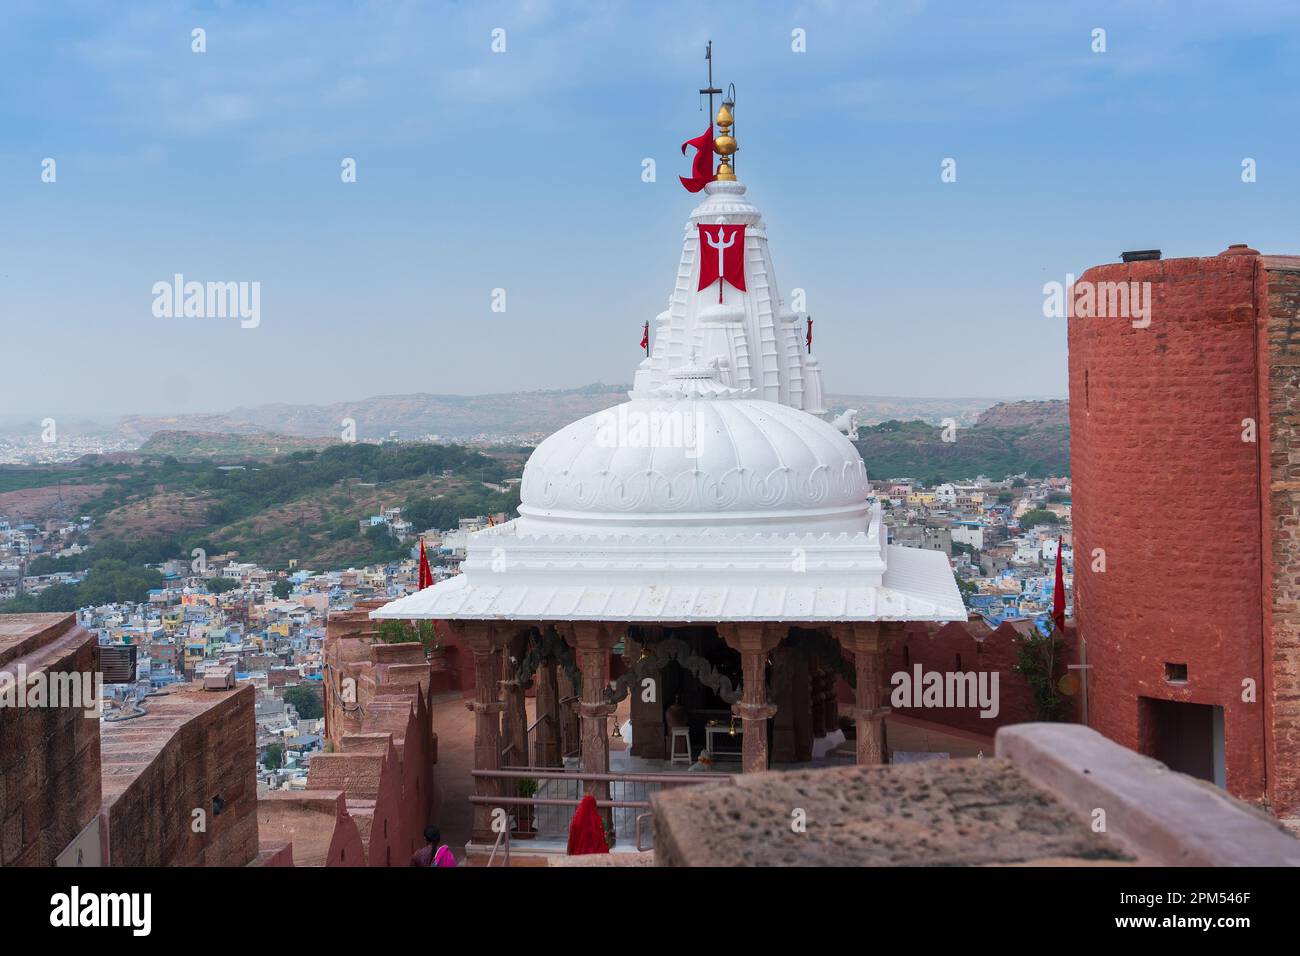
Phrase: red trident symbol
x=722 y=248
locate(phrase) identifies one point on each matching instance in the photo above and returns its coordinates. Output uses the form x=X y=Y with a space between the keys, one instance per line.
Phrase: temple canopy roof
x=695 y=577
x=715 y=494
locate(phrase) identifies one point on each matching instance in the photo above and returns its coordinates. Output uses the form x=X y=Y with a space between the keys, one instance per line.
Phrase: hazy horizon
x=112 y=417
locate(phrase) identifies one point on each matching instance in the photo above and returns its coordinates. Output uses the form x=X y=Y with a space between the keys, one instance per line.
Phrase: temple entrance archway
x=687 y=677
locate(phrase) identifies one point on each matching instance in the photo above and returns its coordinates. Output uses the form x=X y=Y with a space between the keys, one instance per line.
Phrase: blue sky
x=522 y=170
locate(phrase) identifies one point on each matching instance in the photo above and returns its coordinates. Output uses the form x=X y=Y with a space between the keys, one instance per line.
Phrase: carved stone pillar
x=754 y=642
x=647 y=716
x=802 y=702
x=892 y=633
x=830 y=703
x=481 y=638
x=792 y=728
x=514 y=729
x=868 y=641
x=593 y=640
x=783 y=664
x=546 y=743
x=817 y=691
x=569 y=737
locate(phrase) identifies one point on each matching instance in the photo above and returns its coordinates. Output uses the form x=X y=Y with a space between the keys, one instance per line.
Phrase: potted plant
x=413 y=632
x=524 y=813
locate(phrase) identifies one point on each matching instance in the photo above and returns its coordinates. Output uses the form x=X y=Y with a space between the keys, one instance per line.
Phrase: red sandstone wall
x=348 y=635
x=346 y=848
x=938 y=648
x=418 y=809
x=1165 y=485
x=213 y=753
x=315 y=823
x=369 y=772
x=383 y=750
x=49 y=756
x=967 y=646
x=459 y=663
x=279 y=855
x=1278 y=298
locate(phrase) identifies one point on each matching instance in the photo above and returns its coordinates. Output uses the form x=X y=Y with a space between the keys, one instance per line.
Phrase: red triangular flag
x=1058 y=593
x=702 y=167
x=809 y=339
x=645 y=338
x=426 y=573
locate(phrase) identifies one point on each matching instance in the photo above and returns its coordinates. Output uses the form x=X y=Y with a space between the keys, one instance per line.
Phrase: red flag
x=426 y=573
x=587 y=833
x=722 y=256
x=809 y=338
x=1058 y=594
x=645 y=338
x=702 y=167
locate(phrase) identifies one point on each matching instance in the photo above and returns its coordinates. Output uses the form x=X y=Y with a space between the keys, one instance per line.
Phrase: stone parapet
x=49 y=755
x=1033 y=804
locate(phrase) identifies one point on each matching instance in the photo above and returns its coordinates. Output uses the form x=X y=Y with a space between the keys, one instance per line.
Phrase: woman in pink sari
x=444 y=856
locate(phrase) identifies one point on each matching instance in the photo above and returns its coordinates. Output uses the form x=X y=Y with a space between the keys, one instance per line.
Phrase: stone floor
x=935 y=813
x=454 y=724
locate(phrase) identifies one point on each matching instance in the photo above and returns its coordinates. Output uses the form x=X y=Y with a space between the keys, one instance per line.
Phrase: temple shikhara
x=709 y=544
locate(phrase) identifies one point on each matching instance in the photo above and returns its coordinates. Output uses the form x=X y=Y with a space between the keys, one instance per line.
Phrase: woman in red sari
x=587 y=832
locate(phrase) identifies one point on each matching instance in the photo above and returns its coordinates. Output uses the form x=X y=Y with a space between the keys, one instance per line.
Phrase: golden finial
x=725 y=144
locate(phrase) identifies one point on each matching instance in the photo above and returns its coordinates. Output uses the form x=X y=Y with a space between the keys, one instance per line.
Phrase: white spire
x=752 y=338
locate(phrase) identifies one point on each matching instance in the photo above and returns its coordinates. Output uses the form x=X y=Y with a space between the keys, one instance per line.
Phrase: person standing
x=431 y=854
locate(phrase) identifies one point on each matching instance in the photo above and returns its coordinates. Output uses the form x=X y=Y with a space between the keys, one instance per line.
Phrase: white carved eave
x=653 y=577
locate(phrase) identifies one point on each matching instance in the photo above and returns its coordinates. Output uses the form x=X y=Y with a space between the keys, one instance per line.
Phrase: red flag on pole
x=1058 y=594
x=809 y=338
x=645 y=338
x=426 y=573
x=702 y=166
x=722 y=256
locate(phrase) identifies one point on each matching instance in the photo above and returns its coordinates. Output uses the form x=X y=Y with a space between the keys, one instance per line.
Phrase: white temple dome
x=718 y=493
x=697 y=453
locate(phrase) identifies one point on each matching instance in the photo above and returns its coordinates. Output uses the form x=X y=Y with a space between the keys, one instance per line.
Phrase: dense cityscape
x=216 y=616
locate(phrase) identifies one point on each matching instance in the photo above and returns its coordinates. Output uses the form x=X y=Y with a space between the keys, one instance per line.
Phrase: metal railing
x=577 y=743
x=513 y=759
x=530 y=739
x=559 y=793
x=502 y=836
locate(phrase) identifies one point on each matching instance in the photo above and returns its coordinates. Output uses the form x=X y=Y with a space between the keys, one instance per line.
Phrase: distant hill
x=495 y=416
x=303 y=505
x=1008 y=439
x=874 y=409
x=1018 y=414
x=274 y=497
x=450 y=417
x=216 y=445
